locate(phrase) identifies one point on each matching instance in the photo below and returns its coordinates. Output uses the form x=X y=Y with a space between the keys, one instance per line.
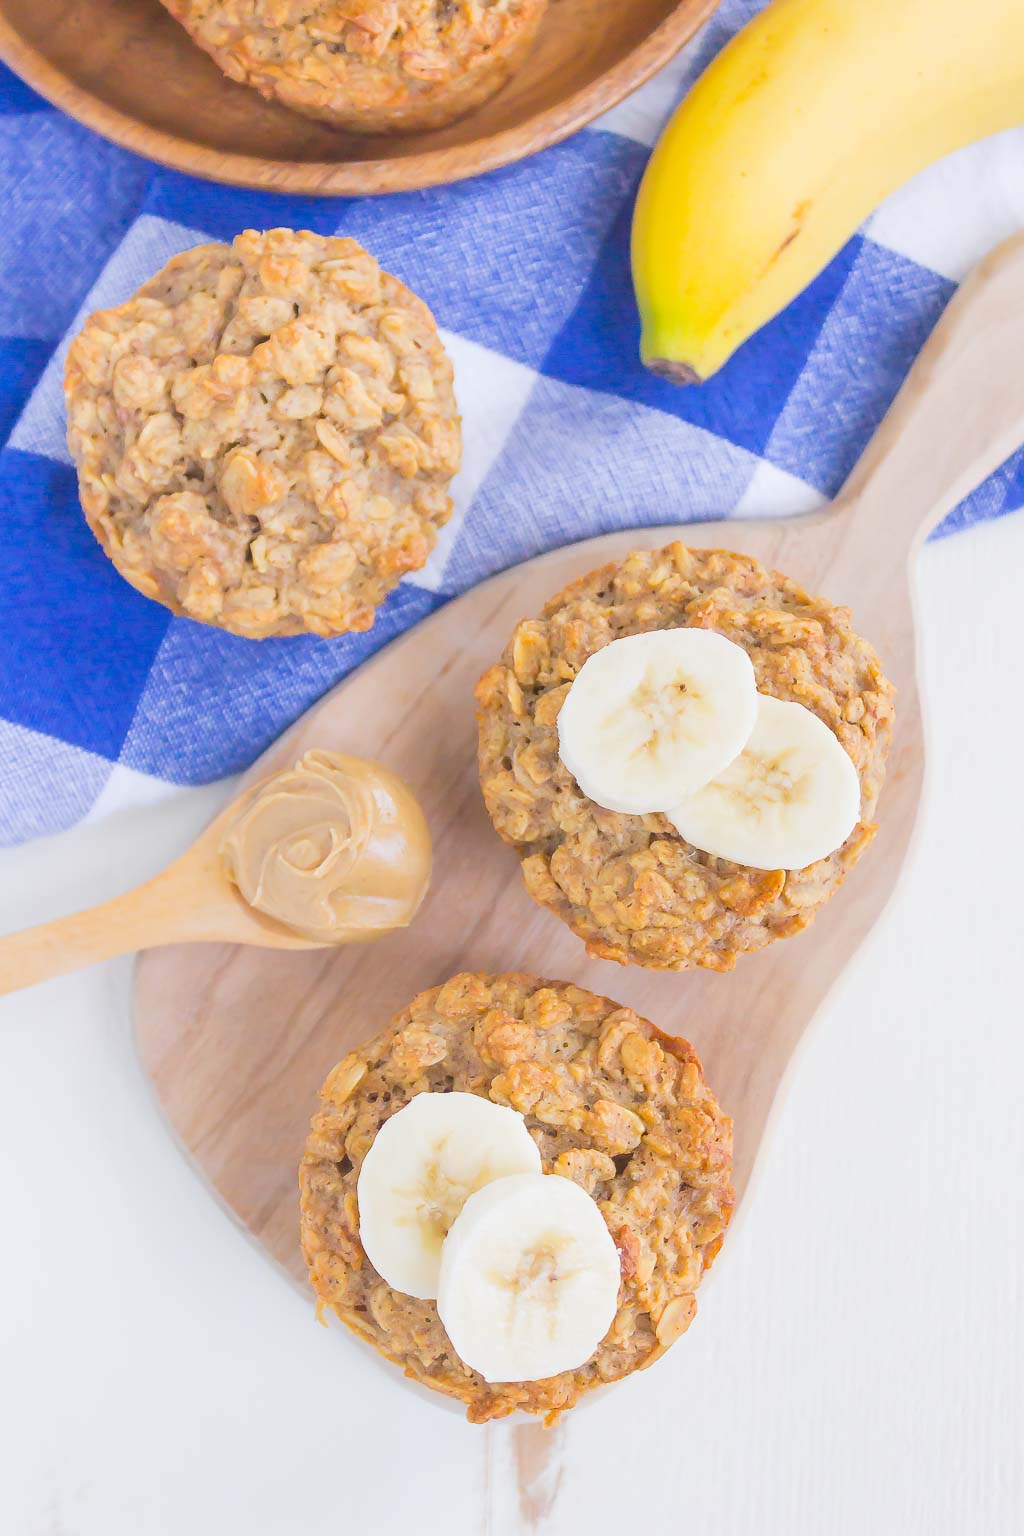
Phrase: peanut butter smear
x=336 y=848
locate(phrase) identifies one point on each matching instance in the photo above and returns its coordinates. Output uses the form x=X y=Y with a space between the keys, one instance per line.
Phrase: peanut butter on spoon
x=336 y=848
x=333 y=851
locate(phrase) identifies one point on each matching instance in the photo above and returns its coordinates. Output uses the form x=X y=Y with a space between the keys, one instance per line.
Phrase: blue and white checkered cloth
x=566 y=435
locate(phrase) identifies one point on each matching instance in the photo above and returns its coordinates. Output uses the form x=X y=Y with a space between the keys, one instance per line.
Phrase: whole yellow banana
x=804 y=122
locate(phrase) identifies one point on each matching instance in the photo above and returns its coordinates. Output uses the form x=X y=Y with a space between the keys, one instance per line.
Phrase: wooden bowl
x=133 y=74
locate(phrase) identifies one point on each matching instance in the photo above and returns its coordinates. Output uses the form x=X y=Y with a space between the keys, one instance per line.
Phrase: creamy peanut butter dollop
x=336 y=848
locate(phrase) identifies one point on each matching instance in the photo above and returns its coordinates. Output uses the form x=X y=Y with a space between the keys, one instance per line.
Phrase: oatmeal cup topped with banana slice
x=514 y=1190
x=686 y=750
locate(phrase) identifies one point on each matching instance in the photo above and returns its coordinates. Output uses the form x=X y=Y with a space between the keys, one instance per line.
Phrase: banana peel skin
x=803 y=124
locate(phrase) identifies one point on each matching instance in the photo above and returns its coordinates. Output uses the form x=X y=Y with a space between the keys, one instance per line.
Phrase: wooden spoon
x=192 y=900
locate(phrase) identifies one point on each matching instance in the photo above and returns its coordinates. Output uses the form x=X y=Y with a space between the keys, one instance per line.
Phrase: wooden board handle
x=959 y=415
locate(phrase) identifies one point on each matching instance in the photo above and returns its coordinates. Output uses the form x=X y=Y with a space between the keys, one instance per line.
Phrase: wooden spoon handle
x=959 y=415
x=135 y=920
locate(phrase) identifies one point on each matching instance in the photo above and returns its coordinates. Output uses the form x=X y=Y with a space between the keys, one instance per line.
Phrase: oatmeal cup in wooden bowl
x=514 y=1190
x=686 y=751
x=369 y=66
x=328 y=98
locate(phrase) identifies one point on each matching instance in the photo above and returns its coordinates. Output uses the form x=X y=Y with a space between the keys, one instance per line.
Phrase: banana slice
x=790 y=798
x=529 y=1278
x=423 y=1165
x=651 y=718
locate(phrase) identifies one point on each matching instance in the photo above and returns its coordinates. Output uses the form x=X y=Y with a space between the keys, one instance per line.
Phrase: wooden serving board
x=238 y=1040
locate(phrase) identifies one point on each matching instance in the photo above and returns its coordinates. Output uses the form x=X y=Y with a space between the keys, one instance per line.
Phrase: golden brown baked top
x=337 y=848
x=611 y=1102
x=265 y=434
x=630 y=886
x=368 y=65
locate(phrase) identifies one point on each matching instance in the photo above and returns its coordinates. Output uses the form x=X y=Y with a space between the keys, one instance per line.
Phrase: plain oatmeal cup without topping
x=611 y=1103
x=376 y=66
x=629 y=885
x=265 y=434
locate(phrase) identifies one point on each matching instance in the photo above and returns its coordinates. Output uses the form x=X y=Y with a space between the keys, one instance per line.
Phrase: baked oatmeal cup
x=630 y=885
x=265 y=434
x=611 y=1104
x=379 y=66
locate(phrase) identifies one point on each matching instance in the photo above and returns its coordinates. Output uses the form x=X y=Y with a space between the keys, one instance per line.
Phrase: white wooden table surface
x=855 y=1366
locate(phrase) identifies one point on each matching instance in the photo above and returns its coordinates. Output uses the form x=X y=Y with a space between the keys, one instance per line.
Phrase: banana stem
x=674 y=372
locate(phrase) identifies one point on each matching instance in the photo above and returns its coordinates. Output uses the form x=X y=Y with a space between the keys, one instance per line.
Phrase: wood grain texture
x=236 y=1041
x=132 y=73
